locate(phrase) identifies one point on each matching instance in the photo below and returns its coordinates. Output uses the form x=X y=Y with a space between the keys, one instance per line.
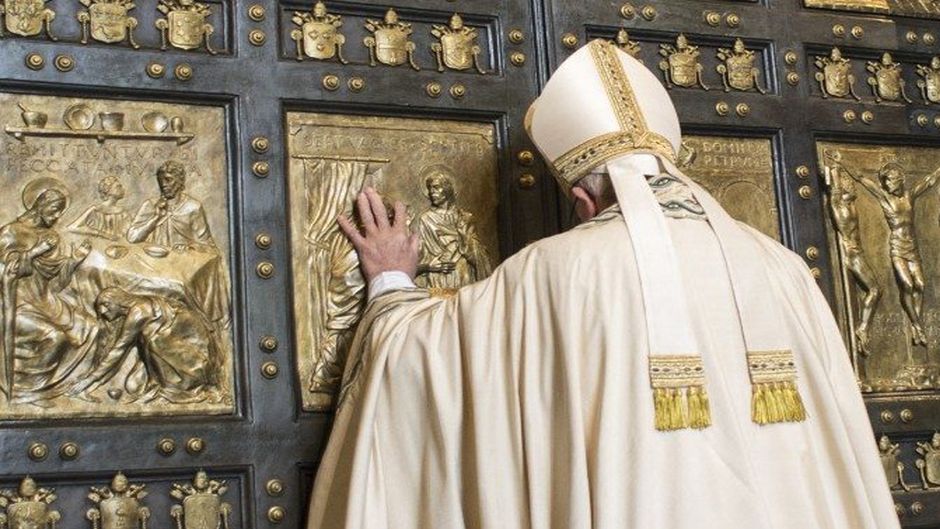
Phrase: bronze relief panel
x=888 y=7
x=739 y=172
x=883 y=228
x=445 y=171
x=114 y=258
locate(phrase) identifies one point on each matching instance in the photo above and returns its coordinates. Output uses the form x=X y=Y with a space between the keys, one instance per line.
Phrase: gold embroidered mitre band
x=631 y=134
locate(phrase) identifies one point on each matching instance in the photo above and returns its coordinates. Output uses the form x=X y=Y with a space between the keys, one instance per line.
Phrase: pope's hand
x=384 y=245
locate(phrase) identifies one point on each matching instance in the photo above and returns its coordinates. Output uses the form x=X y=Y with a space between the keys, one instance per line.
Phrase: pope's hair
x=599 y=186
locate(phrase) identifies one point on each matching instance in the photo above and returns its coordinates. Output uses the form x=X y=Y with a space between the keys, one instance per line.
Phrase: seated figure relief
x=118 y=308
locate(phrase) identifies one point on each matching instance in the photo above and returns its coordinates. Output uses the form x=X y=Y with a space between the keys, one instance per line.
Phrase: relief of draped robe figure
x=106 y=219
x=452 y=254
x=337 y=286
x=177 y=357
x=46 y=333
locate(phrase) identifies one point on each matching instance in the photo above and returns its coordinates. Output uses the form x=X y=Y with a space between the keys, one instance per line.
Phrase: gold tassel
x=699 y=409
x=774 y=395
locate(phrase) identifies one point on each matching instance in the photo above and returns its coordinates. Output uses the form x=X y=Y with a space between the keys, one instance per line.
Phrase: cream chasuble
x=548 y=397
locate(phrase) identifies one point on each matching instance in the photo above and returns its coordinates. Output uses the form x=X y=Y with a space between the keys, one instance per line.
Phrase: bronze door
x=783 y=125
x=176 y=298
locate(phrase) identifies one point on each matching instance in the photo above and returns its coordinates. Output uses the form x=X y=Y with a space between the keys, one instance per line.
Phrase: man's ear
x=584 y=204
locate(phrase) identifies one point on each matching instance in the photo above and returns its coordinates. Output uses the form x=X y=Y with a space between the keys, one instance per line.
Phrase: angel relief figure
x=46 y=333
x=451 y=253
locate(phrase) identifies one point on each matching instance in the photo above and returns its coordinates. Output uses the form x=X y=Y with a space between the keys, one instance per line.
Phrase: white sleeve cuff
x=388 y=281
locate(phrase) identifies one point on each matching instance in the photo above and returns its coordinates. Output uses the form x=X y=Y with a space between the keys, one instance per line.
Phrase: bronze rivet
x=838 y=30
x=911 y=37
x=34 y=61
x=917 y=508
x=816 y=272
x=929 y=39
x=526 y=157
x=907 y=415
x=899 y=509
x=330 y=82
x=517 y=58
x=256 y=37
x=64 y=63
x=858 y=32
x=793 y=78
x=458 y=90
x=627 y=11
x=516 y=36
x=802 y=171
x=156 y=70
x=166 y=446
x=570 y=40
x=274 y=487
x=712 y=18
x=433 y=89
x=183 y=72
x=38 y=451
x=805 y=192
x=276 y=514
x=849 y=116
x=649 y=13
x=268 y=344
x=526 y=180
x=261 y=169
x=936 y=121
x=922 y=120
x=260 y=144
x=356 y=84
x=868 y=116
x=263 y=241
x=790 y=57
x=68 y=451
x=733 y=20
x=887 y=416
x=265 y=269
x=269 y=369
x=812 y=253
x=742 y=109
x=256 y=12
x=722 y=108
x=195 y=445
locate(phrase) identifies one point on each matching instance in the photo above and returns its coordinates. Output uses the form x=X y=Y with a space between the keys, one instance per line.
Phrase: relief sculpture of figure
x=929 y=463
x=46 y=334
x=452 y=254
x=175 y=220
x=177 y=357
x=893 y=466
x=106 y=219
x=897 y=203
x=842 y=198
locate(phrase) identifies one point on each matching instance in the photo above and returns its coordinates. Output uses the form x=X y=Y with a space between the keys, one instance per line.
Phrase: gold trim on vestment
x=774 y=395
x=679 y=397
x=634 y=135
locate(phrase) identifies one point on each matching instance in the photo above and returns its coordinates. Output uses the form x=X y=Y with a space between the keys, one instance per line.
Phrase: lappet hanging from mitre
x=658 y=338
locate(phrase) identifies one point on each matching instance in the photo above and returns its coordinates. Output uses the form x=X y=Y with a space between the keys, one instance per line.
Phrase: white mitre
x=600 y=104
x=600 y=108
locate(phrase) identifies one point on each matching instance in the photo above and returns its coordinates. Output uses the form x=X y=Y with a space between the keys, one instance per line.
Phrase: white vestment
x=524 y=402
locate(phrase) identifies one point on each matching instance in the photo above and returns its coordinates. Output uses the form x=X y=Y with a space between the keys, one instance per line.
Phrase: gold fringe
x=679 y=408
x=774 y=402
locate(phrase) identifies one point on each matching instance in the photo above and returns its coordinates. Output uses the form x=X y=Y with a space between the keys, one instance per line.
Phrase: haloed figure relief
x=897 y=203
x=332 y=159
x=114 y=288
x=451 y=253
x=842 y=206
